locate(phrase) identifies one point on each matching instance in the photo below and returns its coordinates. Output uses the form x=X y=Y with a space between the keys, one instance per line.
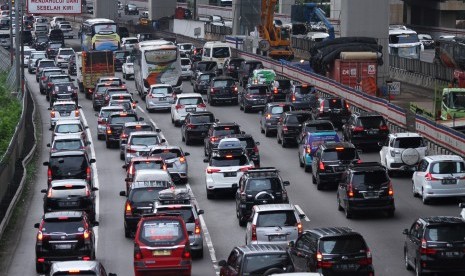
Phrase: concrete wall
x=106 y=9
x=161 y=8
x=186 y=27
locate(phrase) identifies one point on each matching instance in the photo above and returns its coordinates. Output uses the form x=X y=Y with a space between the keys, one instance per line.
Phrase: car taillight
x=383 y=127
x=248 y=96
x=40 y=260
x=179 y=106
x=43 y=78
x=300 y=229
x=128 y=209
x=134 y=105
x=87 y=192
x=254 y=232
x=49 y=174
x=49 y=194
x=86 y=235
x=182 y=159
x=137 y=252
x=201 y=105
x=244 y=169
x=197 y=227
x=293 y=98
x=321 y=263
x=123 y=135
x=243 y=196
x=149 y=96
x=255 y=149
x=285 y=129
x=130 y=150
x=275 y=90
x=49 y=84
x=210 y=171
x=367 y=260
x=268 y=116
x=131 y=170
x=235 y=89
x=191 y=126
x=212 y=91
x=430 y=177
x=40 y=236
x=52 y=114
x=321 y=166
x=187 y=251
x=322 y=106
x=108 y=130
x=358 y=129
x=213 y=139
x=350 y=191
x=88 y=173
x=76 y=113
x=308 y=149
x=424 y=250
x=285 y=197
x=390 y=189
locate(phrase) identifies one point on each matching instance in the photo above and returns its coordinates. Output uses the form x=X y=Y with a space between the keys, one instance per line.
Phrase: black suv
x=259 y=259
x=303 y=96
x=63 y=91
x=52 y=49
x=222 y=89
x=64 y=236
x=53 y=79
x=290 y=125
x=139 y=201
x=259 y=186
x=216 y=132
x=115 y=123
x=334 y=109
x=250 y=145
x=98 y=97
x=366 y=128
x=365 y=187
x=200 y=67
x=202 y=82
x=330 y=161
x=70 y=194
x=435 y=244
x=196 y=125
x=269 y=117
x=69 y=165
x=280 y=89
x=231 y=67
x=254 y=97
x=119 y=58
x=246 y=69
x=331 y=251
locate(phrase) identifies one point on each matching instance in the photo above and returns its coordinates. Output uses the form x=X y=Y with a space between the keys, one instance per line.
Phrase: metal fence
x=434 y=70
x=218 y=30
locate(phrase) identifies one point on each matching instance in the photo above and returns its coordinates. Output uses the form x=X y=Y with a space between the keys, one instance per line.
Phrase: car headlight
x=394 y=152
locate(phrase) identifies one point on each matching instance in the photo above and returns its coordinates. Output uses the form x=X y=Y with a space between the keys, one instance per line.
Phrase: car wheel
x=100 y=137
x=307 y=168
x=242 y=220
x=182 y=137
x=198 y=254
x=127 y=233
x=40 y=268
x=283 y=143
x=424 y=199
x=108 y=144
x=188 y=141
x=121 y=156
x=390 y=213
x=347 y=211
x=124 y=76
x=301 y=163
x=241 y=107
x=418 y=270
x=246 y=109
x=267 y=132
x=414 y=193
x=210 y=194
x=406 y=263
x=205 y=152
x=339 y=206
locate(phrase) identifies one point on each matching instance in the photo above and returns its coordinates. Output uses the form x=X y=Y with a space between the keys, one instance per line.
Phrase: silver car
x=90 y=267
x=65 y=127
x=273 y=224
x=159 y=97
x=64 y=110
x=102 y=117
x=140 y=143
x=175 y=161
x=69 y=142
x=63 y=56
x=31 y=66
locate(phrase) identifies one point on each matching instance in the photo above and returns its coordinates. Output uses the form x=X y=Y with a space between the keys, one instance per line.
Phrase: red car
x=161 y=245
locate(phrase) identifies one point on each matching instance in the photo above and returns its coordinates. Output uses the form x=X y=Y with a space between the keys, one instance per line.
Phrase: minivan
x=5 y=39
x=216 y=51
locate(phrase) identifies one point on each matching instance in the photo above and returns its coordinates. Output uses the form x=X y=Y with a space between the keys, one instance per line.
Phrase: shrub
x=10 y=112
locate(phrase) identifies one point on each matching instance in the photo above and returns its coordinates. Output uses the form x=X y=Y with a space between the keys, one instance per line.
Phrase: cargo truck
x=91 y=66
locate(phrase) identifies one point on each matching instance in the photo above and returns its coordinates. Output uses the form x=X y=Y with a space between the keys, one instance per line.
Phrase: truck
x=92 y=65
x=309 y=15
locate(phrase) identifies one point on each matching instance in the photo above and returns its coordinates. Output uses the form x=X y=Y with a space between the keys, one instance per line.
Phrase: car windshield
x=223 y=83
x=280 y=109
x=448 y=167
x=298 y=118
x=161 y=232
x=145 y=140
x=203 y=119
x=63 y=226
x=37 y=55
x=457 y=100
x=304 y=89
x=185 y=61
x=371 y=122
x=120 y=55
x=205 y=66
x=131 y=41
x=205 y=77
x=66 y=52
x=220 y=52
x=64 y=107
x=190 y=101
x=186 y=46
x=185 y=212
x=147 y=194
x=55 y=46
x=218 y=161
x=121 y=120
x=276 y=218
x=319 y=127
x=167 y=90
x=71 y=144
x=167 y=153
x=409 y=142
x=226 y=131
x=68 y=128
x=258 y=185
x=63 y=87
x=339 y=154
x=445 y=233
x=257 y=264
x=257 y=90
x=142 y=165
x=342 y=245
x=370 y=177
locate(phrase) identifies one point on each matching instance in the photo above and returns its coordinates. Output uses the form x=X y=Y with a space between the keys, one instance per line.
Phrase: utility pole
x=18 y=45
x=10 y=8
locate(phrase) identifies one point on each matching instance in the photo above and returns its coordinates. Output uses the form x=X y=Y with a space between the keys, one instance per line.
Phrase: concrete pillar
x=161 y=8
x=357 y=21
x=106 y=9
x=246 y=16
x=285 y=6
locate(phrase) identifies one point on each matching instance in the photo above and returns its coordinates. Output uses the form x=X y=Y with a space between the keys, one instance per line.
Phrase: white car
x=185 y=48
x=128 y=43
x=403 y=151
x=462 y=214
x=128 y=68
x=159 y=97
x=439 y=176
x=63 y=56
x=224 y=171
x=186 y=66
x=55 y=20
x=27 y=54
x=64 y=110
x=184 y=104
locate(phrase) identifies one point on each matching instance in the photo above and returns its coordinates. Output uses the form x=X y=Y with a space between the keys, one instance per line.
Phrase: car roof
x=366 y=166
x=223 y=78
x=67 y=153
x=317 y=122
x=252 y=61
x=111 y=108
x=218 y=124
x=368 y=114
x=188 y=95
x=443 y=219
x=63 y=182
x=333 y=145
x=67 y=137
x=146 y=158
x=405 y=134
x=160 y=85
x=68 y=122
x=332 y=231
x=57 y=214
x=297 y=112
x=138 y=123
x=163 y=175
x=274 y=207
x=74 y=265
x=64 y=102
x=259 y=249
x=144 y=133
x=118 y=114
x=444 y=157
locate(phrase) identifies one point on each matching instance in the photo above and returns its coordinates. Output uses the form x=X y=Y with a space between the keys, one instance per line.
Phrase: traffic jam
x=161 y=214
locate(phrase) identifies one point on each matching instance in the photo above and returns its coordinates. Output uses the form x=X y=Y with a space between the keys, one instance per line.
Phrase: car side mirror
x=157 y=130
x=122 y=193
x=257 y=143
x=222 y=263
x=136 y=101
x=43 y=191
x=94 y=189
x=92 y=160
x=95 y=223
x=217 y=120
x=187 y=154
x=162 y=140
x=141 y=119
x=405 y=232
x=200 y=212
x=49 y=108
x=242 y=132
x=124 y=166
x=45 y=163
x=48 y=145
x=234 y=186
x=291 y=244
x=73 y=79
x=380 y=144
x=205 y=160
x=36 y=225
x=86 y=127
x=79 y=106
x=111 y=274
x=461 y=205
x=302 y=216
x=286 y=183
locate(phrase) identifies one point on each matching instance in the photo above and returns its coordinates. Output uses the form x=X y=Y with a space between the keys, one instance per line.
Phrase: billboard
x=54 y=6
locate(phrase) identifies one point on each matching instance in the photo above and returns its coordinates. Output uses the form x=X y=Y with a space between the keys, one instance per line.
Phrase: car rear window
x=304 y=89
x=409 y=142
x=65 y=164
x=145 y=140
x=223 y=83
x=116 y=82
x=70 y=190
x=121 y=120
x=161 y=232
x=371 y=122
x=202 y=119
x=130 y=129
x=223 y=131
x=448 y=167
x=280 y=109
x=167 y=153
x=342 y=245
x=339 y=154
x=205 y=66
x=284 y=84
x=205 y=77
x=258 y=185
x=142 y=165
x=37 y=55
x=235 y=62
x=276 y=219
x=334 y=103
x=120 y=97
x=367 y=177
x=106 y=112
x=298 y=118
x=101 y=88
x=220 y=52
x=116 y=91
x=257 y=264
x=258 y=90
x=147 y=194
x=66 y=52
x=64 y=87
x=229 y=161
x=186 y=46
x=64 y=107
x=185 y=62
x=121 y=54
x=446 y=232
x=69 y=144
x=48 y=63
x=126 y=105
x=63 y=225
x=185 y=212
x=162 y=90
x=74 y=272
x=68 y=128
x=52 y=72
x=130 y=41
x=319 y=127
x=190 y=101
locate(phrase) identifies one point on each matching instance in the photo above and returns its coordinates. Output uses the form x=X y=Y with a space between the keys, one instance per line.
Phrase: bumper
x=177 y=176
x=222 y=186
x=196 y=135
x=131 y=223
x=367 y=140
x=98 y=103
x=384 y=204
x=201 y=89
x=399 y=166
x=157 y=105
x=62 y=64
x=271 y=125
x=224 y=98
x=152 y=266
x=447 y=192
x=112 y=138
x=302 y=106
x=63 y=255
x=330 y=178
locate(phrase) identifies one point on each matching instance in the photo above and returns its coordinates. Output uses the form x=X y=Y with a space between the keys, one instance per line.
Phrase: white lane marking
x=206 y=233
x=95 y=180
x=297 y=207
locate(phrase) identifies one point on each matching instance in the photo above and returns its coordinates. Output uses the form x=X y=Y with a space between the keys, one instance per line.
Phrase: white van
x=216 y=51
x=5 y=39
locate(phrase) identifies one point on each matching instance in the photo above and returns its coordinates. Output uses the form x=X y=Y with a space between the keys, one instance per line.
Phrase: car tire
x=414 y=193
x=390 y=213
x=283 y=143
x=210 y=194
x=241 y=107
x=100 y=137
x=198 y=254
x=127 y=233
x=307 y=168
x=406 y=263
x=347 y=212
x=40 y=268
x=424 y=199
x=246 y=109
x=418 y=270
x=339 y=206
x=188 y=141
x=242 y=221
x=108 y=144
x=121 y=156
x=301 y=164
x=124 y=76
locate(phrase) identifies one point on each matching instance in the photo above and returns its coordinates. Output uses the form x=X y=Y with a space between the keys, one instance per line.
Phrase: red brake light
x=210 y=171
x=430 y=177
x=179 y=106
x=322 y=106
x=268 y=116
x=293 y=98
x=321 y=263
x=275 y=90
x=212 y=91
x=350 y=191
x=197 y=227
x=40 y=236
x=131 y=169
x=391 y=190
x=191 y=126
x=108 y=130
x=201 y=105
x=321 y=166
x=254 y=232
x=358 y=129
x=76 y=113
x=128 y=209
x=49 y=174
x=384 y=127
x=213 y=139
x=300 y=229
x=182 y=159
x=424 y=250
x=367 y=260
x=52 y=114
x=88 y=173
x=86 y=235
x=255 y=149
x=137 y=252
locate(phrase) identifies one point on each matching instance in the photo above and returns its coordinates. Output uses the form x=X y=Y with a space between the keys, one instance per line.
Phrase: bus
x=404 y=42
x=99 y=34
x=157 y=62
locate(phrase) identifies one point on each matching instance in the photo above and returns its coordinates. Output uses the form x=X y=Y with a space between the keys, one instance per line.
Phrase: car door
x=316 y=161
x=413 y=242
x=346 y=127
x=418 y=176
x=186 y=122
x=384 y=151
x=231 y=268
x=342 y=188
x=300 y=252
x=302 y=147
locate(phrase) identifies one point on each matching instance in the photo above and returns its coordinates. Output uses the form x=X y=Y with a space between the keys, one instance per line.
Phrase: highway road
x=384 y=235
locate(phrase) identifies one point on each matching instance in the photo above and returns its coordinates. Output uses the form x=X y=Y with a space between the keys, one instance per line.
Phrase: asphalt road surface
x=384 y=235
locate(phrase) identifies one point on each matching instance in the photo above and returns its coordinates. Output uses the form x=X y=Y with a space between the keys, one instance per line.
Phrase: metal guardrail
x=434 y=70
x=218 y=30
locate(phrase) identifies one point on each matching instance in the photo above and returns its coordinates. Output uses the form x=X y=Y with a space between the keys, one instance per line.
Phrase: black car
x=365 y=187
x=254 y=97
x=259 y=186
x=199 y=67
x=279 y=90
x=53 y=79
x=63 y=91
x=290 y=124
x=40 y=43
x=270 y=115
x=231 y=67
x=216 y=132
x=69 y=165
x=64 y=236
x=131 y=9
x=70 y=194
x=331 y=251
x=119 y=58
x=111 y=90
x=56 y=35
x=196 y=125
x=334 y=109
x=115 y=123
x=330 y=161
x=44 y=75
x=222 y=89
x=98 y=97
x=246 y=69
x=123 y=32
x=250 y=145
x=303 y=96
x=27 y=37
x=365 y=129
x=72 y=65
x=139 y=201
x=202 y=82
x=435 y=245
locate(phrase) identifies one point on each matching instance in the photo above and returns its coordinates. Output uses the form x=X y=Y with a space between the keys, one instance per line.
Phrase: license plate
x=451 y=254
x=448 y=181
x=373 y=131
x=274 y=238
x=230 y=174
x=370 y=195
x=68 y=204
x=162 y=99
x=63 y=246
x=192 y=109
x=346 y=267
x=161 y=252
x=144 y=153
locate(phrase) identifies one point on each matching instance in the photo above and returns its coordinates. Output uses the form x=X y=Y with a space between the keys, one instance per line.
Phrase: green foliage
x=10 y=112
